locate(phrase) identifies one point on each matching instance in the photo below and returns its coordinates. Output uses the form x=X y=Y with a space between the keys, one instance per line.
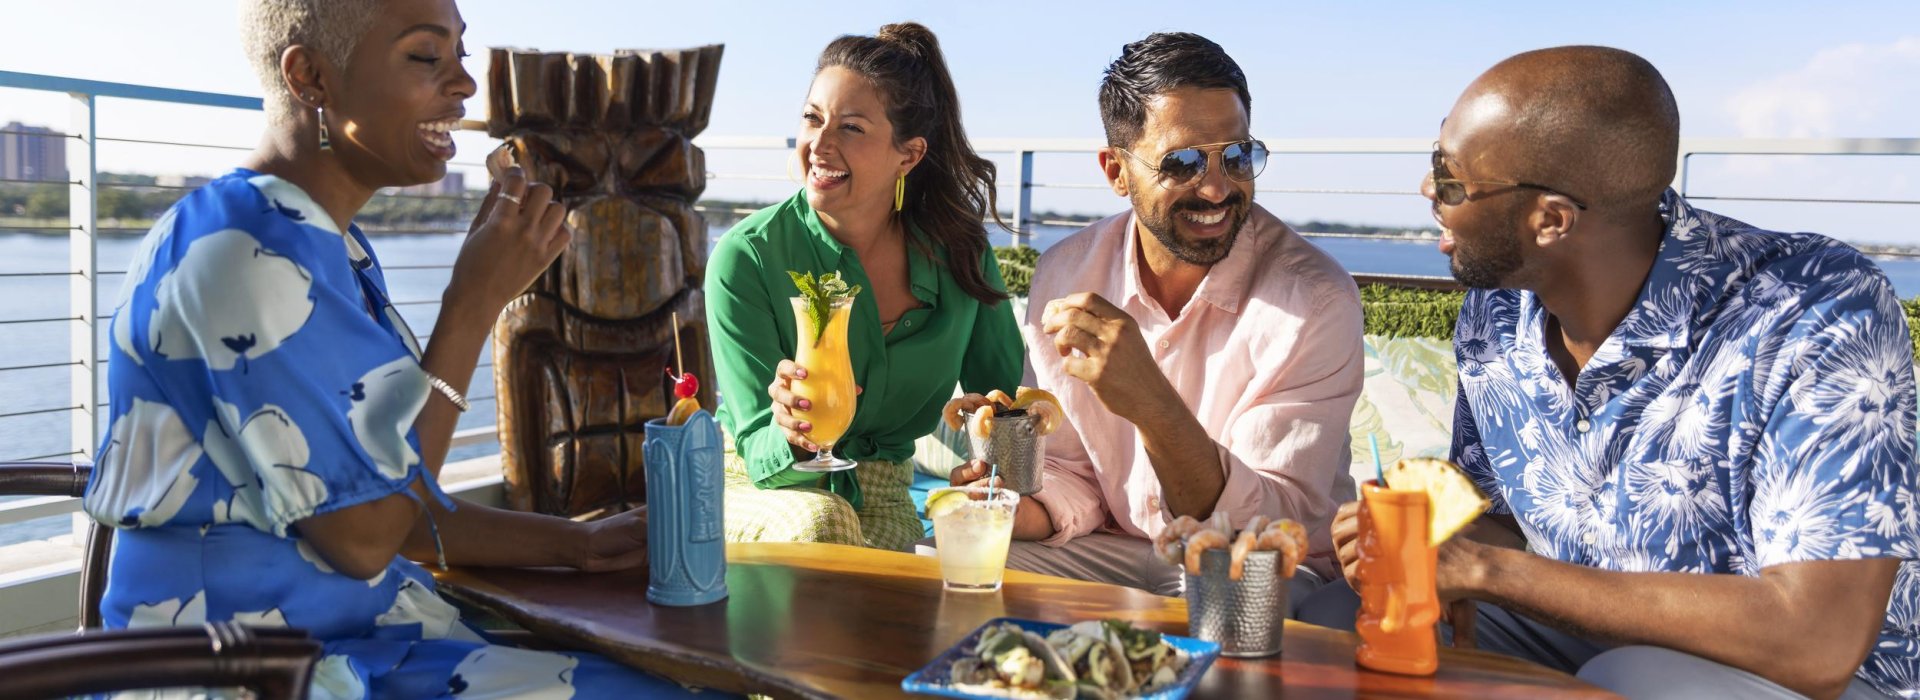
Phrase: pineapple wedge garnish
x=1454 y=500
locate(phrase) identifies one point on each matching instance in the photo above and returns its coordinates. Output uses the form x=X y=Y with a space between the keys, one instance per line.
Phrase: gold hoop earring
x=793 y=156
x=900 y=193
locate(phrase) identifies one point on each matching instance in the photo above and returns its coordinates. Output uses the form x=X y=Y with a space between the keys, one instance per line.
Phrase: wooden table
x=821 y=621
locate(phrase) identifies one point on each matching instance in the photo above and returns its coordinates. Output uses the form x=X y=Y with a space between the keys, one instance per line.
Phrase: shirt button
x=1165 y=344
x=1153 y=503
x=1587 y=538
x=1583 y=426
x=908 y=324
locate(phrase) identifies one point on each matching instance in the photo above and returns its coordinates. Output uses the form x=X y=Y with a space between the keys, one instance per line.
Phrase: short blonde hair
x=331 y=27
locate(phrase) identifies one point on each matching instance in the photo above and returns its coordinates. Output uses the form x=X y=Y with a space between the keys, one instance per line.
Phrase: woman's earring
x=793 y=157
x=326 y=139
x=900 y=193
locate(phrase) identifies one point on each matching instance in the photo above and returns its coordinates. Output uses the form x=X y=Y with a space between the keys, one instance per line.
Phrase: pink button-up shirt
x=1267 y=355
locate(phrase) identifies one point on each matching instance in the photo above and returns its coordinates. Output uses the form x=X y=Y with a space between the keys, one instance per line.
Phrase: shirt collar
x=296 y=204
x=1672 y=299
x=922 y=270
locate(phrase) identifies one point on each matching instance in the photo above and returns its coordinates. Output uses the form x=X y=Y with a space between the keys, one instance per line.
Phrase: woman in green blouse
x=882 y=115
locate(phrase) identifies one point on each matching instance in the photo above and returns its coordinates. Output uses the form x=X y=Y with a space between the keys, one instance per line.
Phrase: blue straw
x=993 y=472
x=1379 y=472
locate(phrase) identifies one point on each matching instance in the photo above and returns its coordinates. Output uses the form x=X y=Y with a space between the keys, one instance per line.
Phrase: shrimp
x=1289 y=539
x=956 y=411
x=1244 y=545
x=1046 y=416
x=1000 y=397
x=981 y=425
x=1220 y=522
x=1172 y=542
x=1199 y=543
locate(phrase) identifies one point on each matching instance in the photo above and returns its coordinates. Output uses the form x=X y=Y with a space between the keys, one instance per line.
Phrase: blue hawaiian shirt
x=1755 y=408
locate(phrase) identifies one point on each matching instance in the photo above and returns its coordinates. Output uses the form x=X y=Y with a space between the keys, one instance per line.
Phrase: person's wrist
x=1482 y=564
x=578 y=544
x=465 y=305
x=1032 y=521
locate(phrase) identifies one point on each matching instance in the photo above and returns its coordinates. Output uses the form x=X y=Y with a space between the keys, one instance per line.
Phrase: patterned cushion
x=1406 y=401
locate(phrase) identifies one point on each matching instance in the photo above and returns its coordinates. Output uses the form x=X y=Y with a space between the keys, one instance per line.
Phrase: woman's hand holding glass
x=785 y=403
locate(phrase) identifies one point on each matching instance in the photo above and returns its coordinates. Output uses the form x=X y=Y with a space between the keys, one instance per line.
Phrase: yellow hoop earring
x=793 y=157
x=900 y=193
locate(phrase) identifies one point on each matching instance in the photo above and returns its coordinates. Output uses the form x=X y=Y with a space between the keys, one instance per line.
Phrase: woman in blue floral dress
x=276 y=432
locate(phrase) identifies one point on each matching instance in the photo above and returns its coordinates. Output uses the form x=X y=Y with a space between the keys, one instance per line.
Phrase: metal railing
x=83 y=227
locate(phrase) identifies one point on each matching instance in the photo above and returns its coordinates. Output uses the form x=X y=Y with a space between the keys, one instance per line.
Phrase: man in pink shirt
x=1206 y=356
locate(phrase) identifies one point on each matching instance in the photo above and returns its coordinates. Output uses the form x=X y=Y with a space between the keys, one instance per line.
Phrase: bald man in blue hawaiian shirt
x=1698 y=436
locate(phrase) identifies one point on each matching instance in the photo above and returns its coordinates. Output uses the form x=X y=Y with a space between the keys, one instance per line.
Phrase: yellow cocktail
x=829 y=387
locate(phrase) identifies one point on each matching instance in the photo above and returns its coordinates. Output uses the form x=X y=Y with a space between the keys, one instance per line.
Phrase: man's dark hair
x=1158 y=64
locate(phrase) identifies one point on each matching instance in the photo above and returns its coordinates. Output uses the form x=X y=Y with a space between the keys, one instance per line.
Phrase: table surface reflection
x=823 y=621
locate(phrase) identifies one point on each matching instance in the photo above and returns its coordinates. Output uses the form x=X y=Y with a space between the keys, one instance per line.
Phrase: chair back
x=67 y=479
x=277 y=664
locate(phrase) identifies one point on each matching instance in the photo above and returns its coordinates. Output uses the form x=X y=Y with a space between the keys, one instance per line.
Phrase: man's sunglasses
x=1452 y=191
x=1183 y=168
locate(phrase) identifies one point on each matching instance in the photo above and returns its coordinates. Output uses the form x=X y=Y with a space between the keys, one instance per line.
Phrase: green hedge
x=1397 y=312
x=1016 y=267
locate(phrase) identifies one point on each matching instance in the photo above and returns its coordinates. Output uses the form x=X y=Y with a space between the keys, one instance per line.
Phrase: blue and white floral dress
x=258 y=377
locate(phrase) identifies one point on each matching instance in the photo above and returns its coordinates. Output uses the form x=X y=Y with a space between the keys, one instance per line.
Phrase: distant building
x=453 y=185
x=32 y=153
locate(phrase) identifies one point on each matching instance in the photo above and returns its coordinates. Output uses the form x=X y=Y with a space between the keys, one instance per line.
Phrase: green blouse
x=907 y=375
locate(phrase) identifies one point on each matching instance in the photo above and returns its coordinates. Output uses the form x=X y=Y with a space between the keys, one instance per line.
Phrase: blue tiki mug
x=686 y=545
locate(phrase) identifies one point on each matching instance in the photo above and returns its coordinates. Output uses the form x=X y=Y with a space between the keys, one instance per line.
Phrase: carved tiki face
x=580 y=357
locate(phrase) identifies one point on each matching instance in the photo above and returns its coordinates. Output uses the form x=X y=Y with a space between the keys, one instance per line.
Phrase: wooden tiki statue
x=579 y=358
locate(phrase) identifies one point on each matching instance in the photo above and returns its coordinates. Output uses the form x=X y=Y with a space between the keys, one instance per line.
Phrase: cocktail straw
x=993 y=472
x=1379 y=472
x=679 y=365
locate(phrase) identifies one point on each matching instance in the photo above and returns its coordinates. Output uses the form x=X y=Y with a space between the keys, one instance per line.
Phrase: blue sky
x=1030 y=69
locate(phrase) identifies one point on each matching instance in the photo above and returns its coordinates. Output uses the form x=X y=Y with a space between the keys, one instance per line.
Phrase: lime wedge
x=944 y=502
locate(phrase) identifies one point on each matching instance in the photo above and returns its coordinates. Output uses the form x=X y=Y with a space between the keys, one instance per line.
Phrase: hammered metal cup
x=1015 y=447
x=1246 y=617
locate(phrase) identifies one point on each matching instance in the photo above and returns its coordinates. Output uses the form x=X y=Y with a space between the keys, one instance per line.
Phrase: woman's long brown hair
x=951 y=192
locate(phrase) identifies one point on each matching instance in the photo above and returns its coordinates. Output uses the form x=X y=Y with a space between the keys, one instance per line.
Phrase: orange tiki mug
x=1398 y=599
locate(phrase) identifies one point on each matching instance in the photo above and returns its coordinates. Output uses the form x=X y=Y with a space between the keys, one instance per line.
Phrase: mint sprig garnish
x=820 y=295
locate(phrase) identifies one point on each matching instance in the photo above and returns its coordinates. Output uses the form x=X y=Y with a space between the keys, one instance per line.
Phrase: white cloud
x=1845 y=91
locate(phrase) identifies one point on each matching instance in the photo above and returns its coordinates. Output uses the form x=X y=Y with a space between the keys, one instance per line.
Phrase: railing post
x=1680 y=172
x=82 y=291
x=1023 y=209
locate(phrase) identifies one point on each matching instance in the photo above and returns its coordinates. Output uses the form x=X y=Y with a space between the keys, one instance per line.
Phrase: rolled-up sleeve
x=1284 y=454
x=1068 y=488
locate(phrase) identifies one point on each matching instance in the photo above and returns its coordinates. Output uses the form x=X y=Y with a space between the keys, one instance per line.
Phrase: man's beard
x=1200 y=251
x=1488 y=262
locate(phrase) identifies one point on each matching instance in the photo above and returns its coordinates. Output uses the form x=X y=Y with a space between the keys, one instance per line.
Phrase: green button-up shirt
x=907 y=375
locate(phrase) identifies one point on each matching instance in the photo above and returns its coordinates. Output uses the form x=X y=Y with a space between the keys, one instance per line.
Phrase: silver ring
x=510 y=198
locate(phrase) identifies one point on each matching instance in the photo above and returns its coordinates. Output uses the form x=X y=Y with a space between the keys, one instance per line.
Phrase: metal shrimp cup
x=1246 y=617
x=1016 y=446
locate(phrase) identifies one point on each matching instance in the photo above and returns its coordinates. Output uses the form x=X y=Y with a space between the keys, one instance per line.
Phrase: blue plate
x=932 y=678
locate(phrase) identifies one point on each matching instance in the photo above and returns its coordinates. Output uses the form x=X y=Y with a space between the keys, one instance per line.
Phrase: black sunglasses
x=1183 y=168
x=1452 y=191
